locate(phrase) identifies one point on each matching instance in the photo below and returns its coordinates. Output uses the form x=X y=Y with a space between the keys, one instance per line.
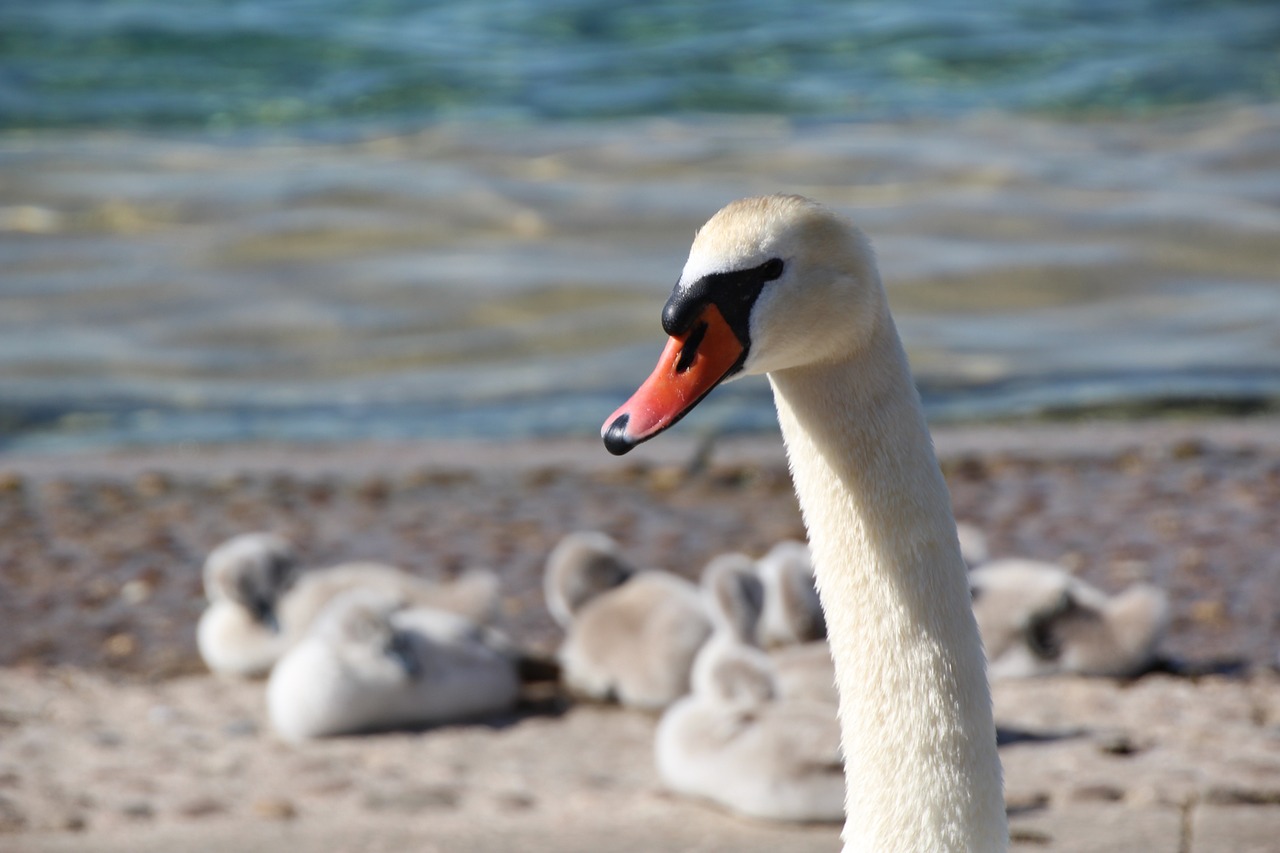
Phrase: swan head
x=252 y=570
x=771 y=283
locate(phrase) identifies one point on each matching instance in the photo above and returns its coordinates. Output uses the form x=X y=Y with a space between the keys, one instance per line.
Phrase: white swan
x=629 y=636
x=1036 y=619
x=780 y=285
x=734 y=741
x=792 y=612
x=369 y=664
x=261 y=602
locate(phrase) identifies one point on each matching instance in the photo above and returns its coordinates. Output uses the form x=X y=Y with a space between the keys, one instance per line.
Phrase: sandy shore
x=112 y=738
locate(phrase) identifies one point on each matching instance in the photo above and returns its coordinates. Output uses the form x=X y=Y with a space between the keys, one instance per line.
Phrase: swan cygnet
x=370 y=663
x=1037 y=619
x=792 y=612
x=473 y=594
x=631 y=636
x=261 y=602
x=783 y=287
x=239 y=632
x=580 y=567
x=733 y=740
x=792 y=629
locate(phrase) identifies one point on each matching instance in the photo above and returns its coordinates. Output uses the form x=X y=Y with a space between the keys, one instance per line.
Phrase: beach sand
x=113 y=738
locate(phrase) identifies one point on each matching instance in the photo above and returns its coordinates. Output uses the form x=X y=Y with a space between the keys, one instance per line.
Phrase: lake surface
x=321 y=220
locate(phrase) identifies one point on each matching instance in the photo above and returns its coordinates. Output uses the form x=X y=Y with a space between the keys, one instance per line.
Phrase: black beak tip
x=615 y=436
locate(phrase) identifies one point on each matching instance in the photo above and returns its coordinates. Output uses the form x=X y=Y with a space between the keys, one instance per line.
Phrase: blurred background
x=230 y=220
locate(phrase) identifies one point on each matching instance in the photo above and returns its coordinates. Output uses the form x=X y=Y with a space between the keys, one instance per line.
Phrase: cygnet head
x=792 y=611
x=734 y=595
x=736 y=681
x=580 y=567
x=252 y=570
x=358 y=626
x=771 y=283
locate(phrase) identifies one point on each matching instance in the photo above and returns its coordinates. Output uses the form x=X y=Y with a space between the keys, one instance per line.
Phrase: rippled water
x=286 y=63
x=463 y=282
x=335 y=220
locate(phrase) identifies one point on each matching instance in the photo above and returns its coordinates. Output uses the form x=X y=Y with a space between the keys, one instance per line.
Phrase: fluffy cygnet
x=239 y=632
x=1036 y=619
x=370 y=663
x=792 y=612
x=261 y=602
x=734 y=741
x=629 y=636
x=582 y=566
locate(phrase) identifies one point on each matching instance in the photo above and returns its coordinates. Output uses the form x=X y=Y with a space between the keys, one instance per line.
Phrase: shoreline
x=1045 y=440
x=102 y=555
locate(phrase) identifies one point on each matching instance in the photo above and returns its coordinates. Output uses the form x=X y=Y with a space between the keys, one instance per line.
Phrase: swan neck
x=915 y=709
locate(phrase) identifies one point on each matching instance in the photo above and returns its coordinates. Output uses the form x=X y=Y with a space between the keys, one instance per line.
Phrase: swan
x=792 y=613
x=239 y=632
x=630 y=636
x=581 y=566
x=733 y=740
x=261 y=601
x=781 y=286
x=801 y=669
x=1036 y=619
x=370 y=663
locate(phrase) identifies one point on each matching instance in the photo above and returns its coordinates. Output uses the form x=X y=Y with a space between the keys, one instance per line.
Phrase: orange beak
x=691 y=365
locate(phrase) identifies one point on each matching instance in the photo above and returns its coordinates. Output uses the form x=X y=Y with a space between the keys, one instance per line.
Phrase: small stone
x=412 y=800
x=200 y=807
x=1231 y=795
x=275 y=808
x=1119 y=744
x=240 y=728
x=666 y=479
x=515 y=801
x=153 y=484
x=1027 y=835
x=139 y=810
x=1188 y=448
x=108 y=739
x=161 y=715
x=1027 y=801
x=121 y=645
x=1209 y=612
x=135 y=592
x=1097 y=794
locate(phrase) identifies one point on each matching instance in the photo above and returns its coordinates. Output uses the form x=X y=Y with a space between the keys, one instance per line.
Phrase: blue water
x=339 y=220
x=337 y=64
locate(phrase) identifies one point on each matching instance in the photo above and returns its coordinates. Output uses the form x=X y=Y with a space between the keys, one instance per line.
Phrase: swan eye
x=771 y=269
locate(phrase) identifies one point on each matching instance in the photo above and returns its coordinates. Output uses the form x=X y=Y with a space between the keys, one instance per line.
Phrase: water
x=322 y=220
x=285 y=63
